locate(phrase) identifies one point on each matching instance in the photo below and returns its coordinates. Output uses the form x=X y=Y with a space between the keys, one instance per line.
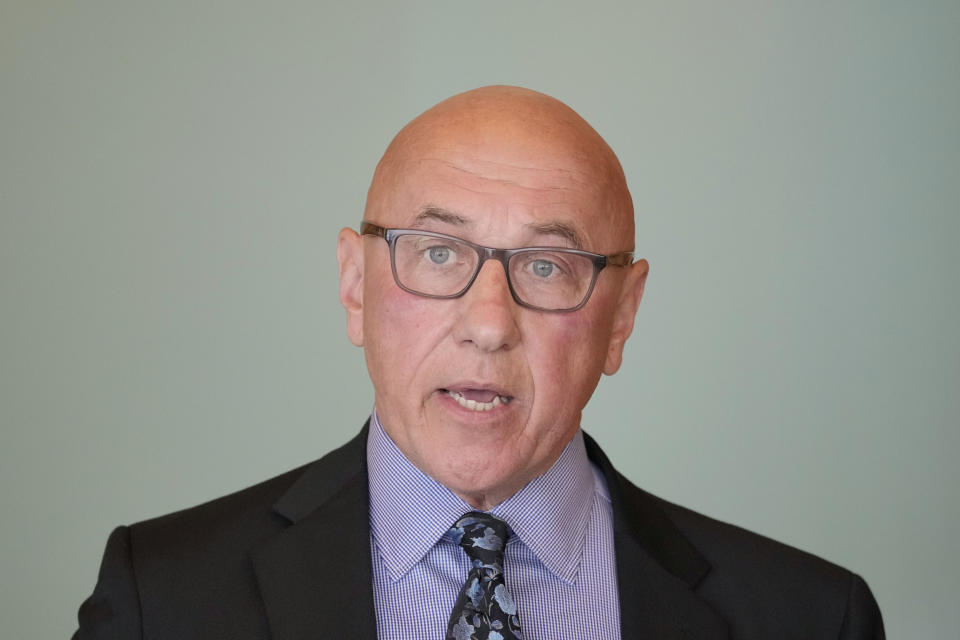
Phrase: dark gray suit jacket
x=289 y=559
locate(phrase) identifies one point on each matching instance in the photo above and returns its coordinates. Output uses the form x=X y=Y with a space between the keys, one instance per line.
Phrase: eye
x=439 y=254
x=547 y=267
x=542 y=268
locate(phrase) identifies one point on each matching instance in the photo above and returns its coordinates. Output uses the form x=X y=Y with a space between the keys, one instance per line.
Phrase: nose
x=488 y=317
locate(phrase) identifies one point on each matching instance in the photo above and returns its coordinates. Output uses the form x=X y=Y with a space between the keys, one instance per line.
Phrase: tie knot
x=482 y=536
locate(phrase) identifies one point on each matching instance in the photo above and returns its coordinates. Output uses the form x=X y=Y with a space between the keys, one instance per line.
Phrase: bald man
x=490 y=285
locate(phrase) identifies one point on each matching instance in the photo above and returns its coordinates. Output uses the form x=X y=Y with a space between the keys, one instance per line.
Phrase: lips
x=477 y=398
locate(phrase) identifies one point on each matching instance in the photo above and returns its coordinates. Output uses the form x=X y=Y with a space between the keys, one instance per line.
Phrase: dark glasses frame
x=600 y=261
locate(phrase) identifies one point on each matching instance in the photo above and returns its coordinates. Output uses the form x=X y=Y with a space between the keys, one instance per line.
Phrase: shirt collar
x=410 y=511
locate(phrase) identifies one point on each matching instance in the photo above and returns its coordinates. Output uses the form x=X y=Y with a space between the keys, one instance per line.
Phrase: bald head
x=509 y=126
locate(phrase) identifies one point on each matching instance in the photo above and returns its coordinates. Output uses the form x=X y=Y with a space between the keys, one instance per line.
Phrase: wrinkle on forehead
x=484 y=175
x=540 y=178
x=554 y=228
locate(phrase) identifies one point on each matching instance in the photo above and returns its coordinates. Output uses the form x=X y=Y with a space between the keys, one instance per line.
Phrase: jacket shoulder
x=240 y=518
x=248 y=509
x=783 y=587
x=189 y=574
x=763 y=586
x=745 y=554
x=731 y=548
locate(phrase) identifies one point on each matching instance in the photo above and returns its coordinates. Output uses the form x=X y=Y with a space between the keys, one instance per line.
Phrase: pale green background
x=173 y=174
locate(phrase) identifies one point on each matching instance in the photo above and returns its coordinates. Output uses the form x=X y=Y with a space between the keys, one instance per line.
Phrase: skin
x=503 y=167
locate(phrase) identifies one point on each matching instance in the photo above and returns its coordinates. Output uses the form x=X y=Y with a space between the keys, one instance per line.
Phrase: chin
x=479 y=478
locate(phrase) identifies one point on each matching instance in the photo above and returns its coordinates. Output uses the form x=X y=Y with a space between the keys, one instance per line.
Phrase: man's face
x=427 y=357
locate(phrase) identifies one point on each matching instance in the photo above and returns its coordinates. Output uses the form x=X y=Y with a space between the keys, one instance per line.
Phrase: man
x=491 y=284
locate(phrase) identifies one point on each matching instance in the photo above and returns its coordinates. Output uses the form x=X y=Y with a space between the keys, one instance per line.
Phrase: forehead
x=508 y=197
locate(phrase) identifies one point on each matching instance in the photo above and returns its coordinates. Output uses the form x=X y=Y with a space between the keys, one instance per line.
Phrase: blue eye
x=438 y=255
x=542 y=268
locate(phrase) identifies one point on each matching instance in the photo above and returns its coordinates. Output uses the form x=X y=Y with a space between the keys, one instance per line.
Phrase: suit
x=290 y=559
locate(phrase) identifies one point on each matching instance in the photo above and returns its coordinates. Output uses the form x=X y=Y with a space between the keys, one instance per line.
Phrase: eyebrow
x=560 y=229
x=555 y=228
x=440 y=215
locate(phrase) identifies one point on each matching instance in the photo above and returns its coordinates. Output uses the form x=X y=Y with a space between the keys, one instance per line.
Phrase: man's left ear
x=626 y=311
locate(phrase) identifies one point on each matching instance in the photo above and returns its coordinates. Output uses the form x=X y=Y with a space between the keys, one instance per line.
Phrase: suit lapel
x=658 y=569
x=315 y=575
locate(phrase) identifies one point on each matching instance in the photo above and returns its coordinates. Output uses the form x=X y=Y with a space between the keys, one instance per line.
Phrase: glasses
x=435 y=265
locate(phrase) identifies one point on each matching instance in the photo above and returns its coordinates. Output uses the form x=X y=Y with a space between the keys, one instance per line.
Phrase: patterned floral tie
x=484 y=609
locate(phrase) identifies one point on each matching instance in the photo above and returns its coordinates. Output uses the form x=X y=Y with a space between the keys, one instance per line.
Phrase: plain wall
x=173 y=176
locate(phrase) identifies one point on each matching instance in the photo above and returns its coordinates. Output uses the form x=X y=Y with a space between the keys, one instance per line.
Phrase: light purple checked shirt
x=559 y=564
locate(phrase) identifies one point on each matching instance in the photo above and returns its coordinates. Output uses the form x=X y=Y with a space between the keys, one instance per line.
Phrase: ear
x=350 y=268
x=626 y=311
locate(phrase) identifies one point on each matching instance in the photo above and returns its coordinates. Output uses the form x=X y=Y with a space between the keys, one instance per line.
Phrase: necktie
x=484 y=610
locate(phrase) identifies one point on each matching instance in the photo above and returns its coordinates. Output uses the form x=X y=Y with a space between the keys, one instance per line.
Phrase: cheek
x=566 y=356
x=579 y=350
x=400 y=331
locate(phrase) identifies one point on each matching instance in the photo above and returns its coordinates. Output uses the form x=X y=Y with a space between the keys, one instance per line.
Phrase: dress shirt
x=559 y=562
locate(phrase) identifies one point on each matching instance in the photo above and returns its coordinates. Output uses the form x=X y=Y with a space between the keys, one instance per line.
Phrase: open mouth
x=478 y=399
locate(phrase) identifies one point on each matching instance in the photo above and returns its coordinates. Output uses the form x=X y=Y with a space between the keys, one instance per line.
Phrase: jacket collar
x=315 y=576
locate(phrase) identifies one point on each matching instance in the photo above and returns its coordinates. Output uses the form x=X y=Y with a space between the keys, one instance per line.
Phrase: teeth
x=473 y=405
